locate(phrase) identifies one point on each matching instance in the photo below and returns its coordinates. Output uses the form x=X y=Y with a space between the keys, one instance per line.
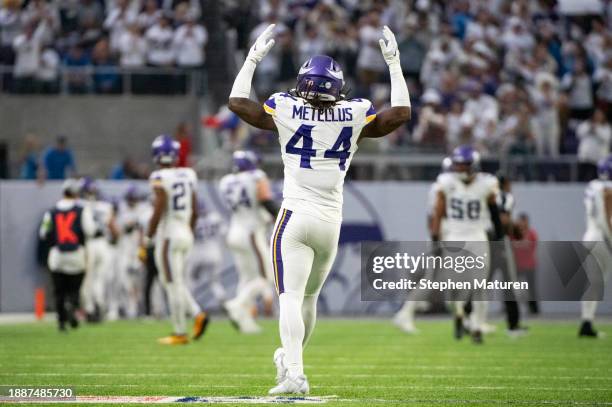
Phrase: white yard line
x=259 y=375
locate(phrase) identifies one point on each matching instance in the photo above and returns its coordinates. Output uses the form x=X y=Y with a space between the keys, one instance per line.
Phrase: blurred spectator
x=483 y=109
x=431 y=130
x=546 y=119
x=370 y=63
x=183 y=136
x=29 y=160
x=267 y=69
x=89 y=19
x=39 y=11
x=603 y=79
x=27 y=47
x=127 y=169
x=132 y=48
x=525 y=244
x=59 y=160
x=159 y=43
x=77 y=61
x=580 y=88
x=11 y=24
x=117 y=22
x=313 y=44
x=149 y=15
x=160 y=53
x=189 y=41
x=106 y=78
x=48 y=72
x=595 y=136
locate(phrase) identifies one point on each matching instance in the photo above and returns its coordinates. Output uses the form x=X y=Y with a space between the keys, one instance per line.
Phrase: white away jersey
x=317 y=147
x=467 y=213
x=239 y=190
x=102 y=212
x=594 y=201
x=179 y=184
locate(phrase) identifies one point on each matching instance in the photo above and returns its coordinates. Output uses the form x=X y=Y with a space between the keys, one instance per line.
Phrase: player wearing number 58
x=171 y=231
x=319 y=129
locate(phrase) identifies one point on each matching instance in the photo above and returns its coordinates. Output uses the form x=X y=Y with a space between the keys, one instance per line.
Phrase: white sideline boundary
x=175 y=399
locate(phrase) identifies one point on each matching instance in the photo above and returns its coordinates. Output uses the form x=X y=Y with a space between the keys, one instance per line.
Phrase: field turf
x=361 y=362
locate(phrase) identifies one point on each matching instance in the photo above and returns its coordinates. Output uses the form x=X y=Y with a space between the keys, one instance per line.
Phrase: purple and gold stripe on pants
x=277 y=257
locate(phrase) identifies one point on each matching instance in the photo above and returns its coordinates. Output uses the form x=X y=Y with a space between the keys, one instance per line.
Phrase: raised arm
x=400 y=111
x=250 y=111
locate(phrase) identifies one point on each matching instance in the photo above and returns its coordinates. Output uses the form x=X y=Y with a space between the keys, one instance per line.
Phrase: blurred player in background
x=467 y=199
x=319 y=130
x=598 y=202
x=100 y=254
x=129 y=266
x=404 y=318
x=502 y=257
x=65 y=228
x=171 y=226
x=205 y=263
x=247 y=192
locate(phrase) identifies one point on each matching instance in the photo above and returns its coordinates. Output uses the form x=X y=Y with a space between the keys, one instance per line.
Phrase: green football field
x=357 y=362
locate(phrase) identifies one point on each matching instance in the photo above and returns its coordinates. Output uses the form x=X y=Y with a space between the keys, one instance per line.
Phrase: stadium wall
x=102 y=130
x=372 y=211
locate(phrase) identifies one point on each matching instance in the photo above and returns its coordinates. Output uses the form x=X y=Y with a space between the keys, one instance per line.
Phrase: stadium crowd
x=519 y=78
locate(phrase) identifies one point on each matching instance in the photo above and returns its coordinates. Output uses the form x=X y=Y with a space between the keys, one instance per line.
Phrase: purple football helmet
x=132 y=194
x=244 y=160
x=165 y=149
x=320 y=78
x=604 y=168
x=89 y=188
x=465 y=160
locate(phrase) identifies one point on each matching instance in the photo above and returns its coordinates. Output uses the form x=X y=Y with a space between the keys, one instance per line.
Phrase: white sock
x=479 y=313
x=588 y=310
x=459 y=308
x=309 y=314
x=406 y=313
x=177 y=308
x=190 y=303
x=291 y=327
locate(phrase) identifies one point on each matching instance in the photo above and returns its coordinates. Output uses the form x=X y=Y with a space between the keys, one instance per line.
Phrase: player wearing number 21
x=319 y=130
x=171 y=231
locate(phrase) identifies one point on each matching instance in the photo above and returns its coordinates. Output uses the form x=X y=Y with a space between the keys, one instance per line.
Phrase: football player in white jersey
x=206 y=258
x=171 y=225
x=598 y=202
x=247 y=192
x=319 y=130
x=467 y=202
x=96 y=289
x=404 y=318
x=128 y=265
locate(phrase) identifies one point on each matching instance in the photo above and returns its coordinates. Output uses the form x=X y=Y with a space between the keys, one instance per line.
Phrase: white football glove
x=262 y=45
x=389 y=49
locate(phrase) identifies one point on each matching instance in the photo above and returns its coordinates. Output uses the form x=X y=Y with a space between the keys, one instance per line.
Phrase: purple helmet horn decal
x=165 y=149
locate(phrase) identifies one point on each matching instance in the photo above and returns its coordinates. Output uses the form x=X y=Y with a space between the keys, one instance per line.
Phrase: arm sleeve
x=45 y=226
x=270 y=105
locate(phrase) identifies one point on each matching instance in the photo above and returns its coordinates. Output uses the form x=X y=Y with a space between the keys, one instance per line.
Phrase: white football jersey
x=209 y=228
x=597 y=224
x=179 y=185
x=317 y=146
x=467 y=212
x=102 y=212
x=239 y=190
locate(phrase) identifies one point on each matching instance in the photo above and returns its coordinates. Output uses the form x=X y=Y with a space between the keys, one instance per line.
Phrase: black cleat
x=587 y=330
x=477 y=338
x=459 y=328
